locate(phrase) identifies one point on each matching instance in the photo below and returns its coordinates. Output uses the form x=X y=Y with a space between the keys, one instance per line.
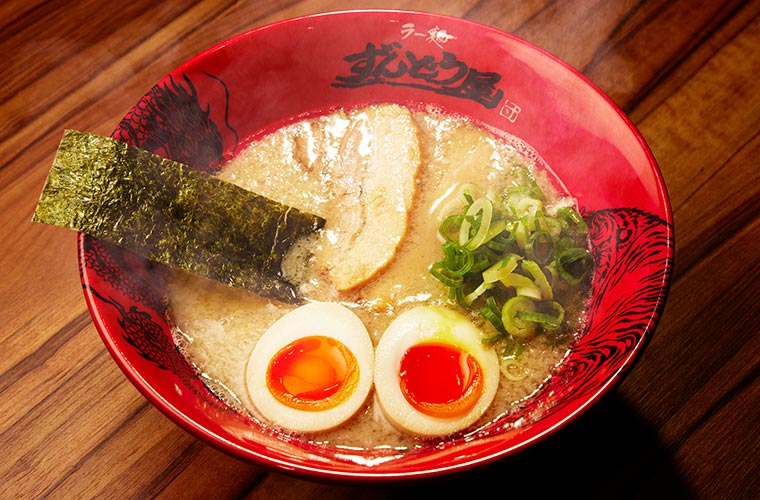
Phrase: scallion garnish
x=504 y=256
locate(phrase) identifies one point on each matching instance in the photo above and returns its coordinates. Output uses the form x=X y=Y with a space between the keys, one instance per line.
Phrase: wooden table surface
x=685 y=421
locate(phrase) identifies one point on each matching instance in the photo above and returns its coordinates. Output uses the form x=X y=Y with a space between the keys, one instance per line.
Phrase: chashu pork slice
x=374 y=184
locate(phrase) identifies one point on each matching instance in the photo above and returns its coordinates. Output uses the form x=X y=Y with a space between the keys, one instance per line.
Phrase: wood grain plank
x=705 y=226
x=135 y=459
x=728 y=434
x=53 y=66
x=655 y=38
x=212 y=475
x=588 y=24
x=33 y=312
x=715 y=395
x=690 y=63
x=90 y=93
x=75 y=418
x=13 y=12
x=507 y=16
x=708 y=119
x=49 y=366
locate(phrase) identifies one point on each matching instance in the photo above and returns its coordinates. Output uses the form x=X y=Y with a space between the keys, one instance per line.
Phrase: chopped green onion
x=551 y=322
x=482 y=209
x=501 y=243
x=501 y=269
x=517 y=280
x=560 y=315
x=520 y=203
x=539 y=278
x=512 y=369
x=457 y=260
x=553 y=226
x=511 y=347
x=518 y=349
x=504 y=257
x=467 y=197
x=450 y=227
x=513 y=323
x=573 y=217
x=531 y=292
x=460 y=298
x=539 y=246
x=520 y=233
x=442 y=274
x=497 y=227
x=480 y=290
x=492 y=313
x=528 y=184
x=574 y=264
x=480 y=265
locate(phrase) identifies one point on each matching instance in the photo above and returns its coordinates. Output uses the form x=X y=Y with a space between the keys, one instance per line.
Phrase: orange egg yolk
x=313 y=373
x=440 y=380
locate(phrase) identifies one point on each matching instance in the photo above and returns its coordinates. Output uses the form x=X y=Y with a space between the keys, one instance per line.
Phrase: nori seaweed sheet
x=170 y=213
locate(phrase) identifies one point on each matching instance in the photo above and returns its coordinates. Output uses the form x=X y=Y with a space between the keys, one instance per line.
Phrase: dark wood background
x=683 y=424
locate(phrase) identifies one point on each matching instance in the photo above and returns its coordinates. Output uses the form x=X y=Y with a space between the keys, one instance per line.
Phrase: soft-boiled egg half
x=312 y=369
x=433 y=375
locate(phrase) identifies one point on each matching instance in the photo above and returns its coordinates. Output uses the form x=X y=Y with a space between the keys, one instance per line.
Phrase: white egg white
x=317 y=318
x=424 y=325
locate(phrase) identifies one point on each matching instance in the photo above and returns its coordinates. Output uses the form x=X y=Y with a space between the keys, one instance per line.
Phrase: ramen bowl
x=205 y=111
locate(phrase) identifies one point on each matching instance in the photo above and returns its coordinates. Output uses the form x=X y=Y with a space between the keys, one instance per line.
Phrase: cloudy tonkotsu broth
x=304 y=165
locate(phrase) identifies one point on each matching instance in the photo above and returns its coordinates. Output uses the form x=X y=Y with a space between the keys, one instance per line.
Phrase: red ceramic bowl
x=202 y=113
